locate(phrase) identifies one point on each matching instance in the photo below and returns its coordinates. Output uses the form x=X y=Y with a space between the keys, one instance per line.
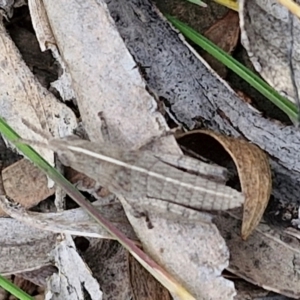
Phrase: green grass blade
x=284 y=104
x=13 y=289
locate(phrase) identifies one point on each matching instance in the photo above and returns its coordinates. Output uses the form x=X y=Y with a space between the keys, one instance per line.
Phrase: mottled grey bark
x=195 y=96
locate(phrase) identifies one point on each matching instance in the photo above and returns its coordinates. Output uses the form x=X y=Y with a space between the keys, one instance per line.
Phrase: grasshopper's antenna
x=38 y=131
x=32 y=143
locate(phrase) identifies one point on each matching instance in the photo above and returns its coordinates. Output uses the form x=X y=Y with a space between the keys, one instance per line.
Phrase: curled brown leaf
x=254 y=173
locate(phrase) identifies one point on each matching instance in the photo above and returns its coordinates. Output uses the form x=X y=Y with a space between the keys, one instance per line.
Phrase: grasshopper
x=170 y=183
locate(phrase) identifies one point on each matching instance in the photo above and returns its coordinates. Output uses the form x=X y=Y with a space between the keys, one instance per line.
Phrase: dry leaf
x=74 y=279
x=28 y=245
x=71 y=37
x=143 y=285
x=276 y=254
x=269 y=258
x=270 y=34
x=194 y=248
x=225 y=34
x=47 y=41
x=25 y=184
x=254 y=174
x=24 y=97
x=30 y=238
x=73 y=221
x=131 y=120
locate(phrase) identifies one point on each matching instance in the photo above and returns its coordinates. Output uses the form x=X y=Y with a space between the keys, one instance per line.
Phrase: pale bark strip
x=74 y=277
x=74 y=221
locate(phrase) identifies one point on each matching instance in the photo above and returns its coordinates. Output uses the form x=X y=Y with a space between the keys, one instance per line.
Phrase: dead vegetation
x=118 y=74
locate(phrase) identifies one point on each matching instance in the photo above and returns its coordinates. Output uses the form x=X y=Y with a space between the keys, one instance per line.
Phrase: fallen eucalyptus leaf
x=71 y=37
x=269 y=258
x=74 y=221
x=269 y=32
x=23 y=248
x=24 y=97
x=47 y=41
x=74 y=279
x=254 y=174
x=32 y=238
x=174 y=244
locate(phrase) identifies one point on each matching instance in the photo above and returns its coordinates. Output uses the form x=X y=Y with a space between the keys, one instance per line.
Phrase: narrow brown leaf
x=254 y=173
x=144 y=286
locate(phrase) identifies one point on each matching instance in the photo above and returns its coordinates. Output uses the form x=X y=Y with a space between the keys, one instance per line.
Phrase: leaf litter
x=189 y=234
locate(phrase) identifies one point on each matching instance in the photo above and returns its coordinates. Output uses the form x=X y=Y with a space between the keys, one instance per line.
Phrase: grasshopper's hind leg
x=195 y=166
